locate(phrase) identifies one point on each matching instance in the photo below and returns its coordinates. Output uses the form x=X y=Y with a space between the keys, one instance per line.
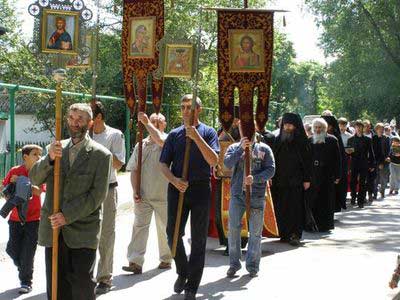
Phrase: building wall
x=22 y=133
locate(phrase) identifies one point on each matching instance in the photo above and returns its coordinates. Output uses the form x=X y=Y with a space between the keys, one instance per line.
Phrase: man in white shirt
x=114 y=141
x=152 y=196
x=343 y=130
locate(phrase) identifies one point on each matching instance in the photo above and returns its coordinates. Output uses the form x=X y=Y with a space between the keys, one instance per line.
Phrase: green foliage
x=295 y=86
x=364 y=38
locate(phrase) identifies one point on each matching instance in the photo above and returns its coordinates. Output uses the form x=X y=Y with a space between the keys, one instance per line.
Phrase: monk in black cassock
x=326 y=172
x=341 y=186
x=292 y=177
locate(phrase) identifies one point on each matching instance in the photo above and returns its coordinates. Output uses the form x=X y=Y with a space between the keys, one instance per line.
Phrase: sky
x=300 y=27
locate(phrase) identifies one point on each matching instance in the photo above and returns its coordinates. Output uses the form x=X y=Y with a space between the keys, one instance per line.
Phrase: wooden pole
x=56 y=199
x=139 y=139
x=186 y=157
x=247 y=162
x=142 y=84
x=248 y=187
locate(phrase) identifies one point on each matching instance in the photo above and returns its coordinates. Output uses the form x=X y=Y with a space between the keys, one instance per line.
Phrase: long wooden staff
x=56 y=196
x=187 y=146
x=142 y=85
x=247 y=170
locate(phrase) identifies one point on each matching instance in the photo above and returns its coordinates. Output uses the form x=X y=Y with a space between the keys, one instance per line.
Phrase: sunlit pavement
x=355 y=261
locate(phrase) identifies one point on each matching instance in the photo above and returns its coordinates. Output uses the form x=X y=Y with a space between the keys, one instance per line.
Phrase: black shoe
x=361 y=205
x=231 y=272
x=102 y=288
x=253 y=274
x=294 y=241
x=226 y=251
x=284 y=240
x=179 y=285
x=190 y=295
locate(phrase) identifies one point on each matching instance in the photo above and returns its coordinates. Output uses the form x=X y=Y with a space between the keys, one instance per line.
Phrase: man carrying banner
x=262 y=170
x=203 y=155
x=85 y=169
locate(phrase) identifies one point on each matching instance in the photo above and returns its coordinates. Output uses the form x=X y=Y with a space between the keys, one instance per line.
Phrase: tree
x=363 y=36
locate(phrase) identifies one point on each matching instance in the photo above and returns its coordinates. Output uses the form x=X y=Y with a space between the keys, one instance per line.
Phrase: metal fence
x=5 y=157
x=12 y=158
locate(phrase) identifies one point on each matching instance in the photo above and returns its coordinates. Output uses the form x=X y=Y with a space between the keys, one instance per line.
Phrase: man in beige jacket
x=152 y=197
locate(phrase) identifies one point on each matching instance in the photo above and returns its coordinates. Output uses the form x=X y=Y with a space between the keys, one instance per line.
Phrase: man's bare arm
x=117 y=165
x=177 y=182
x=155 y=134
x=208 y=153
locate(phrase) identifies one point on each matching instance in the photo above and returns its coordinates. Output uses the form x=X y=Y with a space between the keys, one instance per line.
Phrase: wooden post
x=59 y=76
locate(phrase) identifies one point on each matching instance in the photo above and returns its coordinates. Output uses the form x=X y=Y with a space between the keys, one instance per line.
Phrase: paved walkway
x=354 y=262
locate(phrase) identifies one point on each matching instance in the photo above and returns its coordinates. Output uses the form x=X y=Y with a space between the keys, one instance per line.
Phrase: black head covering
x=295 y=119
x=300 y=142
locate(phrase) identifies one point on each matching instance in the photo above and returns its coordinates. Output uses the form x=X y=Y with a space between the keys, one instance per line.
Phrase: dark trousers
x=75 y=272
x=360 y=174
x=371 y=177
x=197 y=202
x=21 y=247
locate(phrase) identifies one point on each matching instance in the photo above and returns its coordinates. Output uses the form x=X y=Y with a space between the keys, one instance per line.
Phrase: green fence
x=7 y=160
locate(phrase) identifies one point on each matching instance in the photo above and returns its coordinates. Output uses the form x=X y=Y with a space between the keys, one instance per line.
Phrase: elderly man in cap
x=292 y=177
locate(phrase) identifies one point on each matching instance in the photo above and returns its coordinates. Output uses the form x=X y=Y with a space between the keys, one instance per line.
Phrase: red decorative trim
x=141 y=67
x=246 y=82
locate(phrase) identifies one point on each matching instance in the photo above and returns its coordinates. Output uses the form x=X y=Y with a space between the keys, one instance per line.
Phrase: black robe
x=341 y=188
x=292 y=168
x=326 y=168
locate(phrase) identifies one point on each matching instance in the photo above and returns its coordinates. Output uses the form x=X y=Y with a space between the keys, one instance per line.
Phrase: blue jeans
x=237 y=208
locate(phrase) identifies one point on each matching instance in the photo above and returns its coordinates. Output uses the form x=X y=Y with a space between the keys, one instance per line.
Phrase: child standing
x=23 y=237
x=394 y=166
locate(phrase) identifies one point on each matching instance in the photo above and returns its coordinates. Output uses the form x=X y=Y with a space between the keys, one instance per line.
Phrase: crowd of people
x=309 y=167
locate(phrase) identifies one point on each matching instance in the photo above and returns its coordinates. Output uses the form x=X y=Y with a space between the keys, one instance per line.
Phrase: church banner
x=142 y=28
x=245 y=48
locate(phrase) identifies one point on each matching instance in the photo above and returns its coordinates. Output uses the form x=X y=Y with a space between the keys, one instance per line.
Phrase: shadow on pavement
x=9 y=294
x=13 y=294
x=123 y=281
x=215 y=290
x=41 y=296
x=215 y=257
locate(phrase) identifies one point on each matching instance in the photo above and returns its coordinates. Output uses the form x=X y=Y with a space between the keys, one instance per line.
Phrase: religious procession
x=264 y=178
